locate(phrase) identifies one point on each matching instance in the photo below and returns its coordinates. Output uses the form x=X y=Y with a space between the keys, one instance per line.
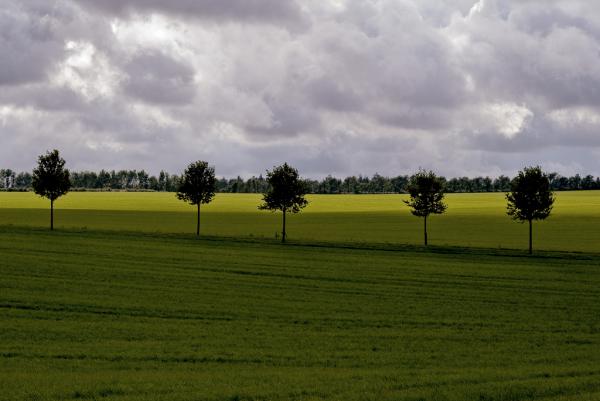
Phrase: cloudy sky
x=338 y=87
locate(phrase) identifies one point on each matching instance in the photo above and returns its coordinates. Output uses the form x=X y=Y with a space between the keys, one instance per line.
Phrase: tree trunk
x=198 y=222
x=530 y=237
x=283 y=231
x=425 y=229
x=51 y=214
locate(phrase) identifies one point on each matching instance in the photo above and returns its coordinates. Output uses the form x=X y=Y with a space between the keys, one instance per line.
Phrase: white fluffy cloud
x=338 y=86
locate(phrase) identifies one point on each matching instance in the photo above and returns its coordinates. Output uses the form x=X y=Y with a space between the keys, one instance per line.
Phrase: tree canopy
x=530 y=196
x=426 y=192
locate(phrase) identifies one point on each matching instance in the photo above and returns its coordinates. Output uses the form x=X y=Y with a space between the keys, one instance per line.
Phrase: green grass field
x=113 y=316
x=472 y=220
x=123 y=303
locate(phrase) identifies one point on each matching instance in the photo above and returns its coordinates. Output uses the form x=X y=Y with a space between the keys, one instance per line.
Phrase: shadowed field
x=472 y=219
x=116 y=316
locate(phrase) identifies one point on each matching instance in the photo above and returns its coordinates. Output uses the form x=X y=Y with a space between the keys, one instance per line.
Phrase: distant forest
x=139 y=180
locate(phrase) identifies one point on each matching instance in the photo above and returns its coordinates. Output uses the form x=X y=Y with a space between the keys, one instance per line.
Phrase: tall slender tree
x=426 y=192
x=286 y=193
x=530 y=198
x=50 y=179
x=197 y=186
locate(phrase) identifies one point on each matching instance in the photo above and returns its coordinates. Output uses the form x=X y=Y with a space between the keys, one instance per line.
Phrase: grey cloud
x=34 y=34
x=380 y=61
x=331 y=95
x=42 y=97
x=509 y=59
x=416 y=118
x=537 y=20
x=290 y=117
x=540 y=133
x=406 y=65
x=284 y=12
x=116 y=122
x=366 y=86
x=29 y=45
x=157 y=78
x=440 y=12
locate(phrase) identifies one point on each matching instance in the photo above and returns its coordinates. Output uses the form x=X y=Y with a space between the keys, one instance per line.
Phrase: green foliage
x=286 y=190
x=426 y=192
x=530 y=197
x=132 y=317
x=197 y=185
x=50 y=179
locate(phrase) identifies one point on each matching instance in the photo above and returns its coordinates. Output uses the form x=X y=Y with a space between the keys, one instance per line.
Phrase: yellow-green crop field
x=472 y=220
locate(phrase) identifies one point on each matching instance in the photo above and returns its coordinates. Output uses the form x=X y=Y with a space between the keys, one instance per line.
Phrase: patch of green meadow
x=93 y=315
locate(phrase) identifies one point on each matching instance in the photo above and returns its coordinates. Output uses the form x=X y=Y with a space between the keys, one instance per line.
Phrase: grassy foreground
x=478 y=220
x=116 y=316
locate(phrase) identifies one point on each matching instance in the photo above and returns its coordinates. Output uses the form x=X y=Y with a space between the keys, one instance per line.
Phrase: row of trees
x=140 y=180
x=530 y=196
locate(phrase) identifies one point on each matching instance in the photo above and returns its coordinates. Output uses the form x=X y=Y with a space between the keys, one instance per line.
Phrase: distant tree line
x=140 y=180
x=104 y=180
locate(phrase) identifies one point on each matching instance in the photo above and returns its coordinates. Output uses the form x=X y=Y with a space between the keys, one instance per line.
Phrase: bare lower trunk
x=530 y=237
x=51 y=214
x=198 y=221
x=425 y=229
x=283 y=231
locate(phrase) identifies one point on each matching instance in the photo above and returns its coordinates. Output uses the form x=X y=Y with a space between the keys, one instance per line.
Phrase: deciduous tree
x=286 y=192
x=50 y=179
x=530 y=198
x=197 y=186
x=426 y=192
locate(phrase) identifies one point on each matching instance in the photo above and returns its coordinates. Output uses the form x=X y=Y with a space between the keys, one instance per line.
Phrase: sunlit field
x=472 y=220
